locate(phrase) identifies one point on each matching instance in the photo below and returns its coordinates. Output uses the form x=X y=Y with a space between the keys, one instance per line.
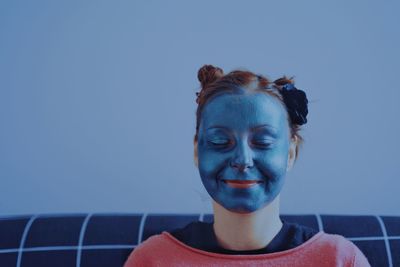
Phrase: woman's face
x=243 y=149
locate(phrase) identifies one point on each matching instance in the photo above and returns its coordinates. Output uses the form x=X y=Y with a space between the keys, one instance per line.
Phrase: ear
x=292 y=153
x=196 y=158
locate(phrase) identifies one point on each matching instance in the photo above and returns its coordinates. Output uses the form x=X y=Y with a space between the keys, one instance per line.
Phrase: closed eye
x=263 y=143
x=220 y=142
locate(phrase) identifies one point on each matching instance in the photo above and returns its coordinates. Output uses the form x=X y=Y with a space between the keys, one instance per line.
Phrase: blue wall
x=97 y=100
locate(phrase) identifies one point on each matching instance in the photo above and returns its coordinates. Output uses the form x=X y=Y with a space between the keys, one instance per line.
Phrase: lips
x=241 y=183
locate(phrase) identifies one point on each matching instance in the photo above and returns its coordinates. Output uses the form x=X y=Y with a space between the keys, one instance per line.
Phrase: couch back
x=82 y=240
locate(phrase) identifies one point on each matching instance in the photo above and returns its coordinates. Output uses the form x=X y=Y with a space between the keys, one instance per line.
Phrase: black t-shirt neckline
x=201 y=235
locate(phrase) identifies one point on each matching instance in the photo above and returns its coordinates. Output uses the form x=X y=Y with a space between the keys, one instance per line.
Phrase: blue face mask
x=243 y=147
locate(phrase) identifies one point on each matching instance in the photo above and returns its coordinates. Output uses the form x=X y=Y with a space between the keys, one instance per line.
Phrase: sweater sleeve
x=348 y=253
x=360 y=260
x=148 y=253
x=136 y=259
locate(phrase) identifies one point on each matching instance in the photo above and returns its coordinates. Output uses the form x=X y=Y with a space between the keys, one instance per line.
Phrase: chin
x=242 y=209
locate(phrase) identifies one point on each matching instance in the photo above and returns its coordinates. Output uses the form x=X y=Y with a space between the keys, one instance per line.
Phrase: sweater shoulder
x=335 y=240
x=146 y=252
x=342 y=248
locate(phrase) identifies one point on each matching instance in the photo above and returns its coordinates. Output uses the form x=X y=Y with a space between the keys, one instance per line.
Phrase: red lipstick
x=241 y=183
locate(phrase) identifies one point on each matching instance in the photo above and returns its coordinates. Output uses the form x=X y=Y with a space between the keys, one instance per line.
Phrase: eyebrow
x=263 y=126
x=216 y=126
x=269 y=127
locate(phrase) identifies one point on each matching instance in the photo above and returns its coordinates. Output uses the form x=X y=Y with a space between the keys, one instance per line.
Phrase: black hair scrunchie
x=296 y=102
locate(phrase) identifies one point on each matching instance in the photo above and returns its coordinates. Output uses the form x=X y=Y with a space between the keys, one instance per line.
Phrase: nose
x=243 y=157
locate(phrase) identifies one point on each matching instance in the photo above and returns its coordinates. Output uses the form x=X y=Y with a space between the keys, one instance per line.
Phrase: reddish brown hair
x=214 y=82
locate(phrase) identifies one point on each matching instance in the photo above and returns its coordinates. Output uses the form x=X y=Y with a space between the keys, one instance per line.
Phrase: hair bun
x=208 y=74
x=284 y=80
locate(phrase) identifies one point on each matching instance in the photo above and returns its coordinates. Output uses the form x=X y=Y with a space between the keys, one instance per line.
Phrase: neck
x=237 y=231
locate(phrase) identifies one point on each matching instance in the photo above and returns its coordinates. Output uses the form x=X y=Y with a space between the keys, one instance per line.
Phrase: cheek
x=274 y=162
x=210 y=162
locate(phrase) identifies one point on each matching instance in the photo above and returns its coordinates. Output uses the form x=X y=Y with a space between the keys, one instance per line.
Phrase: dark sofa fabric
x=101 y=240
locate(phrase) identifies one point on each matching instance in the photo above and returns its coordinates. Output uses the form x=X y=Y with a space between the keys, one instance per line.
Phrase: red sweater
x=320 y=250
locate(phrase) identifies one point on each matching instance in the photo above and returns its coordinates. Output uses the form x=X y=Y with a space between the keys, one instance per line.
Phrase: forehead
x=243 y=111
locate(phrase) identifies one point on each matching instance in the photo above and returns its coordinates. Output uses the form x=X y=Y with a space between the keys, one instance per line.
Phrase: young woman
x=247 y=138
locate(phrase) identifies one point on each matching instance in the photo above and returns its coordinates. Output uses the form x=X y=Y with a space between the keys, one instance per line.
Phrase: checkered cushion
x=107 y=239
